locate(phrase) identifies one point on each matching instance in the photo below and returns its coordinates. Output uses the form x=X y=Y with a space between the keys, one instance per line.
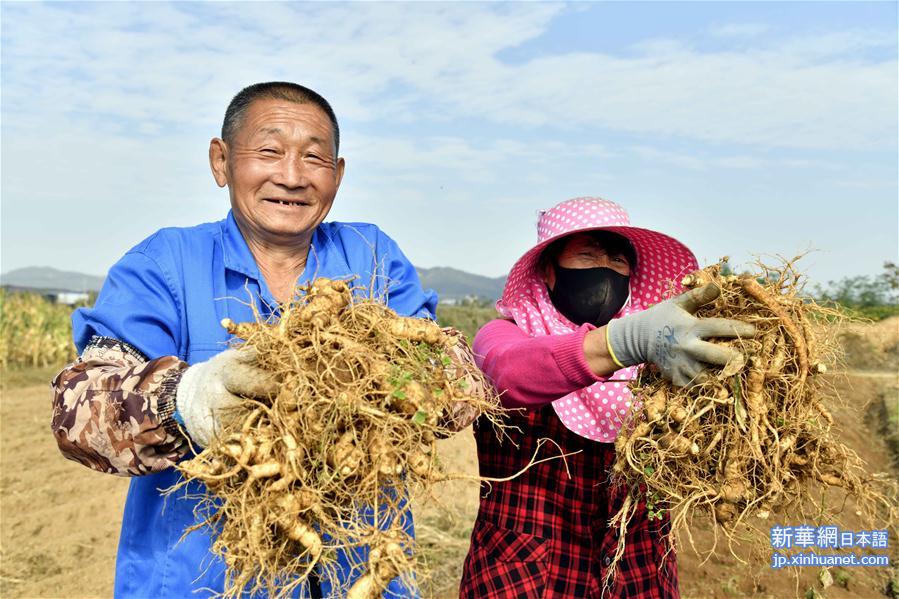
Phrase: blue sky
x=740 y=128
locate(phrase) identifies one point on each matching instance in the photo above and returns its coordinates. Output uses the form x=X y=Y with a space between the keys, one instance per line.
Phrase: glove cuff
x=624 y=337
x=612 y=351
x=188 y=405
x=172 y=421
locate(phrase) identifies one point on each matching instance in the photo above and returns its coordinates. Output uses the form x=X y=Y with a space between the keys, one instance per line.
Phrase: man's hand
x=669 y=336
x=210 y=389
x=462 y=413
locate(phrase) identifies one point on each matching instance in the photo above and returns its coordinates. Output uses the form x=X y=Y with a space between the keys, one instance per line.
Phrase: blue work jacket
x=167 y=297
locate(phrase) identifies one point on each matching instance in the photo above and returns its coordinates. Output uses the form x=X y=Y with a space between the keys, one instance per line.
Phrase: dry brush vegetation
x=33 y=331
x=756 y=438
x=733 y=490
x=325 y=465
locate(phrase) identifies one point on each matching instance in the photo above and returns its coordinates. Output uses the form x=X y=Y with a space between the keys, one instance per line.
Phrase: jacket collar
x=324 y=260
x=235 y=251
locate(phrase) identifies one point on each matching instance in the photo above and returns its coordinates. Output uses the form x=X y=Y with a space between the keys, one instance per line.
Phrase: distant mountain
x=44 y=277
x=450 y=283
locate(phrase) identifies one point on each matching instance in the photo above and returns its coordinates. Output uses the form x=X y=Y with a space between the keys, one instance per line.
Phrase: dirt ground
x=59 y=521
x=872 y=346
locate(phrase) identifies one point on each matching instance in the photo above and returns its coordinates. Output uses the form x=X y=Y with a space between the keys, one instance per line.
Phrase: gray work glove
x=210 y=389
x=669 y=336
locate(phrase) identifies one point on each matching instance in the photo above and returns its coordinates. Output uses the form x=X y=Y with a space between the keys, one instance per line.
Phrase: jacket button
x=607 y=560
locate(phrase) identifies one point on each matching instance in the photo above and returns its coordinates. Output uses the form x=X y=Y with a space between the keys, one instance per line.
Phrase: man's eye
x=269 y=151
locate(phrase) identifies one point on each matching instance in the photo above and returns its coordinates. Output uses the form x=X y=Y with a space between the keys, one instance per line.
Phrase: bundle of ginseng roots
x=326 y=465
x=756 y=438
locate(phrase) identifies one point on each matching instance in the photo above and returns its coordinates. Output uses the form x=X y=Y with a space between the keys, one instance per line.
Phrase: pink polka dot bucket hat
x=597 y=411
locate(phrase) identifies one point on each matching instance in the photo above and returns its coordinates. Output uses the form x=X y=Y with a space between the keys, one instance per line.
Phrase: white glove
x=210 y=389
x=669 y=336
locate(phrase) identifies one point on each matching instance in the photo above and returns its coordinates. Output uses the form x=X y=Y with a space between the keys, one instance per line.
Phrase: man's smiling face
x=281 y=170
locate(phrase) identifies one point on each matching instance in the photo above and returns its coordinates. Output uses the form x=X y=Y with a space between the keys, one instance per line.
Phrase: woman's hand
x=670 y=337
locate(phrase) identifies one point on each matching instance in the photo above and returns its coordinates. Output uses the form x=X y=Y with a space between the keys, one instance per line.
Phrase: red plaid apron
x=544 y=534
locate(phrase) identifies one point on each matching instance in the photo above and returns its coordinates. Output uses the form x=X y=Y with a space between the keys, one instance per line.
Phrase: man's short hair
x=275 y=90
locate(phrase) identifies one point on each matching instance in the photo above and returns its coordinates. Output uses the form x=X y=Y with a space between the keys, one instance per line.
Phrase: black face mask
x=591 y=295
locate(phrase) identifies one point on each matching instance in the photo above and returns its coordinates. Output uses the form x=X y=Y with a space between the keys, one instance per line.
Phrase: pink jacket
x=531 y=372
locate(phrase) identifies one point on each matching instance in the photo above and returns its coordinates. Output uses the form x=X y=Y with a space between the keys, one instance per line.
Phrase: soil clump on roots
x=754 y=439
x=326 y=465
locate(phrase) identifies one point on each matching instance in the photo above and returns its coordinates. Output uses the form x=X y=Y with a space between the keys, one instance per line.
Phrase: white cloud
x=475 y=160
x=176 y=64
x=703 y=161
x=107 y=109
x=739 y=30
x=655 y=155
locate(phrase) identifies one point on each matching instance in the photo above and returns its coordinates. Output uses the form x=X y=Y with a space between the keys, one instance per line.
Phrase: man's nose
x=292 y=172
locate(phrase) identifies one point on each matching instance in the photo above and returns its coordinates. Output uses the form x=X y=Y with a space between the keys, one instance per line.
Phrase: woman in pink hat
x=583 y=308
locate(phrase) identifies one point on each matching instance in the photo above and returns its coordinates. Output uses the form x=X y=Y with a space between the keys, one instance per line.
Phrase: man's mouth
x=287 y=202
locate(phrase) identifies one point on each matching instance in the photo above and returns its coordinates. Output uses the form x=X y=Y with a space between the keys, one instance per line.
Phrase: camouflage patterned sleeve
x=113 y=410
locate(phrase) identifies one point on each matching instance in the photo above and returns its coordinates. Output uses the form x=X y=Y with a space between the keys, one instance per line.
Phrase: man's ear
x=341 y=165
x=218 y=160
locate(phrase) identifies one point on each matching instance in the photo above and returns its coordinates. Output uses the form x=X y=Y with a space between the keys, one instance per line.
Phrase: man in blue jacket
x=152 y=351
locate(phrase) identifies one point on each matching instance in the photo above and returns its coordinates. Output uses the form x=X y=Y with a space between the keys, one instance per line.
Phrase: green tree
x=874 y=297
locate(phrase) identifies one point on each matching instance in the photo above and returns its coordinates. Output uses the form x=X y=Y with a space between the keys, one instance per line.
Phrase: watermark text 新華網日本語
x=809 y=538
